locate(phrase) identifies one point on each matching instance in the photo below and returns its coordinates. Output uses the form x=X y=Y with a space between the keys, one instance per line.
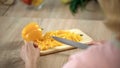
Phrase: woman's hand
x=30 y=55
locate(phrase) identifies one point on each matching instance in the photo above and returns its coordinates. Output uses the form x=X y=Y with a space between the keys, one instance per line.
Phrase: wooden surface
x=55 y=9
x=85 y=39
x=3 y=9
x=11 y=41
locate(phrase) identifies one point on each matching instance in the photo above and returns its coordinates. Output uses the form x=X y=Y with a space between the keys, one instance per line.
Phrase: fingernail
x=35 y=45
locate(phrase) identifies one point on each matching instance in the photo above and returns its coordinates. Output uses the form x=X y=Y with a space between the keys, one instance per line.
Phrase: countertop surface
x=11 y=41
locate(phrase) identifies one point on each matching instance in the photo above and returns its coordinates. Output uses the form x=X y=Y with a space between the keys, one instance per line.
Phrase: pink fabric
x=102 y=55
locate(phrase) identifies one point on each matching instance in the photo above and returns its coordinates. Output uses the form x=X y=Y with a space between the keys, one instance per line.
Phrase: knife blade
x=71 y=43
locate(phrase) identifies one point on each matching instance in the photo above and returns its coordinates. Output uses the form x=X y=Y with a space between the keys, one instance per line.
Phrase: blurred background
x=52 y=9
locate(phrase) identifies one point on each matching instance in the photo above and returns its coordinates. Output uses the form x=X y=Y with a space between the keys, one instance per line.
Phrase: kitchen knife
x=71 y=43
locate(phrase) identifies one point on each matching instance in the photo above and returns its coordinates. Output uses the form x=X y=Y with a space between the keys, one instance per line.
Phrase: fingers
x=96 y=42
x=92 y=43
x=22 y=51
x=31 y=44
x=22 y=48
x=103 y=41
x=38 y=49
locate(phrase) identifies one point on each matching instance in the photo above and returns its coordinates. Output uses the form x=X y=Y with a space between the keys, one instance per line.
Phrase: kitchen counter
x=55 y=9
x=11 y=41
